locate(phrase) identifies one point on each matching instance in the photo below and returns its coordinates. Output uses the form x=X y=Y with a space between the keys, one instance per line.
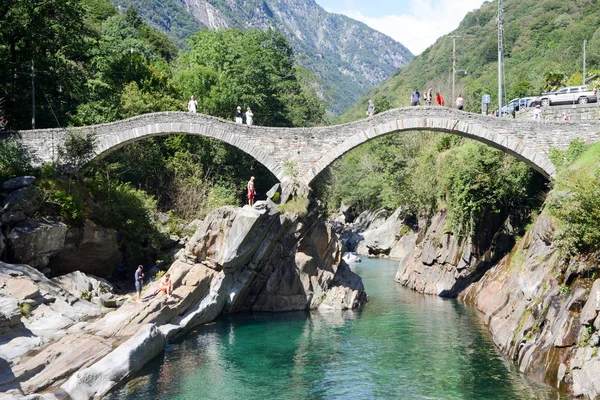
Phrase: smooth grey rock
x=592 y=306
x=12 y=217
x=77 y=282
x=351 y=258
x=91 y=249
x=18 y=183
x=27 y=199
x=585 y=380
x=97 y=380
x=10 y=315
x=109 y=300
x=348 y=213
x=33 y=243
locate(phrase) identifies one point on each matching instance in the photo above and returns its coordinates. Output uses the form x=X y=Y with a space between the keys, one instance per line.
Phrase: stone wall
x=580 y=113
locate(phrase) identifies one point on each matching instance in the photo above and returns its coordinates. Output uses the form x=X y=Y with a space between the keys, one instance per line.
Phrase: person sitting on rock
x=166 y=285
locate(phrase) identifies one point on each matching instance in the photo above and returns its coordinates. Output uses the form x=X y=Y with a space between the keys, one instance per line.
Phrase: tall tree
x=51 y=36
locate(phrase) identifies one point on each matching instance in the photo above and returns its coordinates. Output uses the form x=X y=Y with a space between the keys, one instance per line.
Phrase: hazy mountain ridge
x=350 y=57
x=543 y=41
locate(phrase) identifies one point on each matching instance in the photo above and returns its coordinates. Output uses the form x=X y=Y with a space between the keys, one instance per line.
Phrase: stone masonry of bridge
x=311 y=150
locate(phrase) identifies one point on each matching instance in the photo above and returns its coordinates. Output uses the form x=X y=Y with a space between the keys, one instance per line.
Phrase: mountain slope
x=348 y=56
x=544 y=48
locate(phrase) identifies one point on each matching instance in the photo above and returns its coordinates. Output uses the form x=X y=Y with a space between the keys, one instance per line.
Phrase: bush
x=128 y=211
x=298 y=205
x=15 y=159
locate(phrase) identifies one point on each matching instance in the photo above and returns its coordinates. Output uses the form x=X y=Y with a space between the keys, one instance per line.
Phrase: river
x=402 y=345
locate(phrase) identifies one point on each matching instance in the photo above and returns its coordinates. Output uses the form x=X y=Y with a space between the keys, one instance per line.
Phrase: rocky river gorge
x=243 y=262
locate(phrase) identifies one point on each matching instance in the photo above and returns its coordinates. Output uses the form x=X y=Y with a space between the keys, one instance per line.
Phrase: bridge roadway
x=314 y=149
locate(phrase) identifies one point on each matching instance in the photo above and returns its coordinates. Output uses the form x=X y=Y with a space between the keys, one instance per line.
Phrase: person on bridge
x=415 y=98
x=192 y=105
x=371 y=110
x=249 y=117
x=537 y=114
x=428 y=96
x=239 y=116
x=459 y=102
x=251 y=191
x=439 y=99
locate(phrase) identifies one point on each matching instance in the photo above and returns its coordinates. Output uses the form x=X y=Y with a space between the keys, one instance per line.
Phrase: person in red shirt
x=439 y=99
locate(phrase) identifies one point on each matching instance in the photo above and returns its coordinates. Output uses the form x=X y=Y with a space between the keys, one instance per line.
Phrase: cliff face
x=550 y=330
x=347 y=55
x=444 y=264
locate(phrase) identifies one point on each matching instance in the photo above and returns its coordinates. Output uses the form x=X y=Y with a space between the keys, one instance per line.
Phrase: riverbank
x=238 y=259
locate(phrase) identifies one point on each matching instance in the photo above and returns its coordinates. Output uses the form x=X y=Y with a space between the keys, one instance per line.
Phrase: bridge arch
x=513 y=144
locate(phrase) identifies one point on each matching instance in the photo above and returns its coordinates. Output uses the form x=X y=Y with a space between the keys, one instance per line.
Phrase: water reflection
x=402 y=345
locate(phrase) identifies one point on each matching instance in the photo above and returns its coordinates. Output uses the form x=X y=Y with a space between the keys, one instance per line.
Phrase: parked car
x=538 y=100
x=568 y=95
x=525 y=102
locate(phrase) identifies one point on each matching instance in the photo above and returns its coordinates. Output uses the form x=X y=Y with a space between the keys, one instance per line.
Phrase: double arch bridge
x=314 y=149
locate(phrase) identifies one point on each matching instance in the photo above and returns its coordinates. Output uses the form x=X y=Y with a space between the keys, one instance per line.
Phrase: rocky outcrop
x=443 y=263
x=390 y=238
x=27 y=199
x=550 y=329
x=238 y=259
x=90 y=249
x=33 y=243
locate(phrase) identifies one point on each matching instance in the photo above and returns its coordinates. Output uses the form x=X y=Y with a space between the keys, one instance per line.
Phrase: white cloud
x=423 y=22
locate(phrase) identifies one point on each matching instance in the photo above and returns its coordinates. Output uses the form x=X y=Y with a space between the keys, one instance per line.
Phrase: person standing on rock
x=249 y=116
x=239 y=116
x=251 y=191
x=192 y=105
x=371 y=109
x=139 y=281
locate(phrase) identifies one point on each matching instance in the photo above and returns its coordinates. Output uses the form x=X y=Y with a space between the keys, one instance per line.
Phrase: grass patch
x=298 y=205
x=25 y=309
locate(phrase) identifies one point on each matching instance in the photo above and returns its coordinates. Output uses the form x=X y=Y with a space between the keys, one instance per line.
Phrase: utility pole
x=32 y=95
x=584 y=45
x=500 y=57
x=454 y=37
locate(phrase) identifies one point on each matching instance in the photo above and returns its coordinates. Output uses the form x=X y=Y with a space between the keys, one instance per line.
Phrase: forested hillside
x=544 y=49
x=348 y=57
x=94 y=64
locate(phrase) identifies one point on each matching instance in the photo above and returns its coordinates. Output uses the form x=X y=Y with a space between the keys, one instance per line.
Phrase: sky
x=417 y=24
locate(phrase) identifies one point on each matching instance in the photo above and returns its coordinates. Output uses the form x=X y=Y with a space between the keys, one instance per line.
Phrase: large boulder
x=33 y=243
x=80 y=284
x=95 y=381
x=383 y=238
x=18 y=182
x=12 y=217
x=27 y=199
x=10 y=315
x=90 y=249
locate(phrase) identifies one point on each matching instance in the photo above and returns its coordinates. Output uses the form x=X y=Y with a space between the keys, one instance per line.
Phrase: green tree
x=229 y=68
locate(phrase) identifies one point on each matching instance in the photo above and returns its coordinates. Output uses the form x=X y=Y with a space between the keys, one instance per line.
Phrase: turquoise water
x=402 y=345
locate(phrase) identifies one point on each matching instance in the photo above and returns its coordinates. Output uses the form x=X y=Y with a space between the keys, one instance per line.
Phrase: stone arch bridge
x=311 y=150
